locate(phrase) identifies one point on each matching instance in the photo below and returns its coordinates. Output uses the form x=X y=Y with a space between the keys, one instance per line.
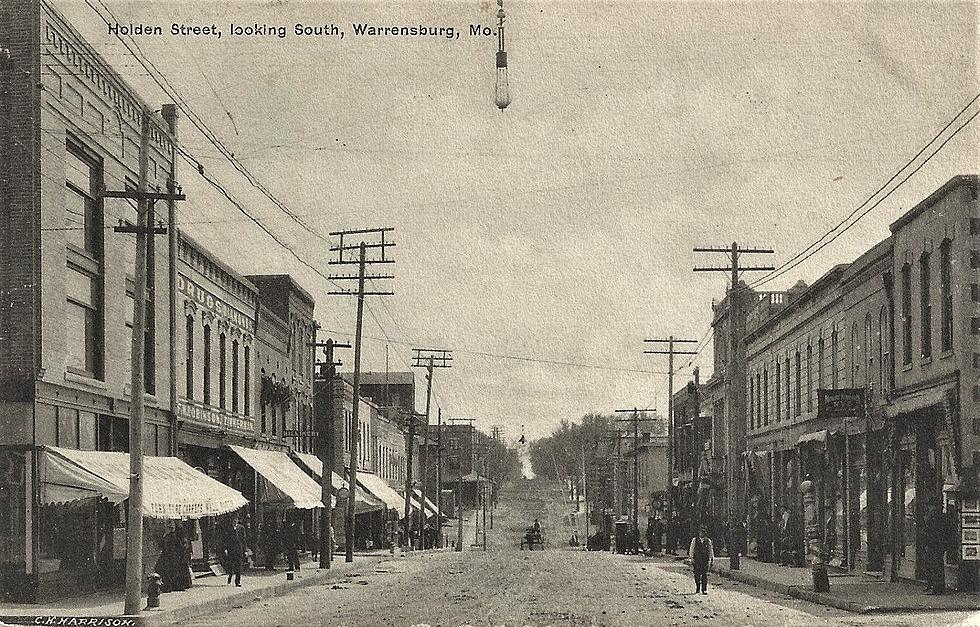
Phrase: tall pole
x=459 y=506
x=355 y=431
x=734 y=387
x=169 y=112
x=670 y=352
x=326 y=451
x=134 y=529
x=412 y=417
x=427 y=358
x=636 y=471
x=425 y=452
x=439 y=542
x=355 y=424
x=585 y=495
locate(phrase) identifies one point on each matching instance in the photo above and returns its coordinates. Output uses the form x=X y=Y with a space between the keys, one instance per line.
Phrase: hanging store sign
x=842 y=403
x=230 y=422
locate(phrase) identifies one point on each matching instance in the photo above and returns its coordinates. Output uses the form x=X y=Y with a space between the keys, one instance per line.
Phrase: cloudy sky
x=545 y=242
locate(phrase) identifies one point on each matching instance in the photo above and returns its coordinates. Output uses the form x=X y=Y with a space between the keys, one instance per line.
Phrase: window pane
x=78 y=172
x=75 y=330
x=80 y=288
x=77 y=218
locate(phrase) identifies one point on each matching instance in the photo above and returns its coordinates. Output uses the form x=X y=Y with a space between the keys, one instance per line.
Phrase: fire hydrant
x=153 y=587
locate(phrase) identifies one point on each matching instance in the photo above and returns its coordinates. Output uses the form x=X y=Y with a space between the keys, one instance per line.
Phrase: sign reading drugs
x=212 y=303
x=842 y=403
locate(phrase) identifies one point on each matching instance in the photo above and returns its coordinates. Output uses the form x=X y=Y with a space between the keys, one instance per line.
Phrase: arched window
x=884 y=354
x=207 y=364
x=189 y=359
x=809 y=377
x=946 y=296
x=855 y=365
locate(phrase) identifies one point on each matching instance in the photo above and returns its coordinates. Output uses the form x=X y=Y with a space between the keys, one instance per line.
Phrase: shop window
x=67 y=537
x=67 y=427
x=46 y=424
x=925 y=301
x=946 y=296
x=14 y=489
x=86 y=431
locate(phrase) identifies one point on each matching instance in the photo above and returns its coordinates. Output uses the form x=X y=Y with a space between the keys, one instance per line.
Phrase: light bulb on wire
x=502 y=88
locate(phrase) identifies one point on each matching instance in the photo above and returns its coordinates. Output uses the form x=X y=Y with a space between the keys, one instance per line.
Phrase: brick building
x=70 y=127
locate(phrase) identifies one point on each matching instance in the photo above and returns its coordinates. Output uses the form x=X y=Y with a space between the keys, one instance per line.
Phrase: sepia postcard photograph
x=501 y=313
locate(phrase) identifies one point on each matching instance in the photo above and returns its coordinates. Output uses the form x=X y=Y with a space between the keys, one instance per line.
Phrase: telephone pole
x=412 y=419
x=325 y=449
x=144 y=227
x=735 y=380
x=428 y=358
x=361 y=261
x=635 y=420
x=439 y=541
x=670 y=352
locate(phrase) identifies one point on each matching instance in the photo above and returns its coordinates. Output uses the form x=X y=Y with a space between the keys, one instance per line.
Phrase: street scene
x=489 y=312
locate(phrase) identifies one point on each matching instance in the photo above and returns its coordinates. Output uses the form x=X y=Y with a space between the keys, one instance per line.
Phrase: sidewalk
x=208 y=595
x=851 y=592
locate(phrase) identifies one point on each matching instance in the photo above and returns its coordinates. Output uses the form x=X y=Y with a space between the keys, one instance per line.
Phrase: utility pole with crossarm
x=362 y=260
x=428 y=358
x=735 y=381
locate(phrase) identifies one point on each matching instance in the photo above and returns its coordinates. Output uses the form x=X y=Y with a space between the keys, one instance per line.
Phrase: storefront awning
x=171 y=489
x=382 y=491
x=917 y=401
x=286 y=484
x=363 y=502
x=815 y=436
x=430 y=507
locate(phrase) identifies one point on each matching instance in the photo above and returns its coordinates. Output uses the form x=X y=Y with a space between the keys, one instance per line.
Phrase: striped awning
x=285 y=484
x=172 y=489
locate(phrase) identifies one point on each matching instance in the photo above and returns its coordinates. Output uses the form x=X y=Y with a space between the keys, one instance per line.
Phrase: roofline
x=221 y=264
x=933 y=198
x=293 y=284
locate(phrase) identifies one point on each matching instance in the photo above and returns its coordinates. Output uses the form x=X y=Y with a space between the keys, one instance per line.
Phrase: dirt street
x=557 y=586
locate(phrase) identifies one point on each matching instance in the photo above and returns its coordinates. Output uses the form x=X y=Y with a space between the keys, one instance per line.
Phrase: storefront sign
x=199 y=414
x=842 y=403
x=212 y=303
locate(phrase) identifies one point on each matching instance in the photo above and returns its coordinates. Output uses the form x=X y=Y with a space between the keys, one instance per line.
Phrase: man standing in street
x=702 y=554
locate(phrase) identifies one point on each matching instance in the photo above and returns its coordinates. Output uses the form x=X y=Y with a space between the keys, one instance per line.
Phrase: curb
x=239 y=599
x=822 y=598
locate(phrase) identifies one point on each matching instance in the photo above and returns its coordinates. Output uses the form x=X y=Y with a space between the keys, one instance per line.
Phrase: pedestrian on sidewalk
x=235 y=550
x=291 y=543
x=702 y=554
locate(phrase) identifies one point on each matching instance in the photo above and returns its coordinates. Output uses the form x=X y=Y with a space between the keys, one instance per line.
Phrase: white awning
x=286 y=484
x=380 y=489
x=816 y=436
x=429 y=505
x=916 y=401
x=363 y=502
x=171 y=488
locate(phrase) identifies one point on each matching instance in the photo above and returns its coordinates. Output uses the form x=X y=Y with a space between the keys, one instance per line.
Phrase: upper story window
x=925 y=299
x=84 y=324
x=189 y=359
x=907 y=314
x=946 y=296
x=207 y=364
x=83 y=209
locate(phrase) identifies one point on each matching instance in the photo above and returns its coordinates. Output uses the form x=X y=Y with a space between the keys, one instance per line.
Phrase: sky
x=543 y=243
